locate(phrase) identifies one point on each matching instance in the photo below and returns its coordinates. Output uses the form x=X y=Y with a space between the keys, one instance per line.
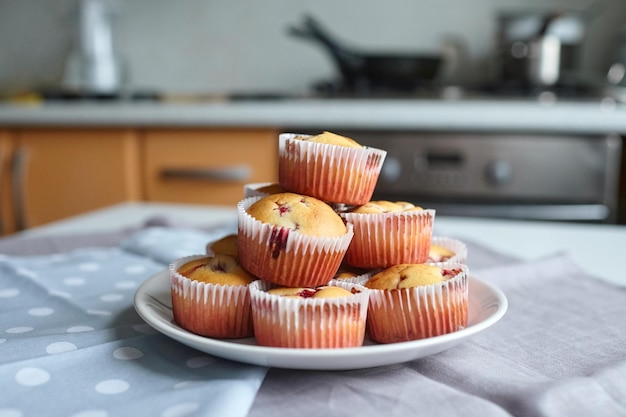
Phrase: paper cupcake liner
x=332 y=173
x=458 y=247
x=401 y=315
x=308 y=322
x=253 y=189
x=284 y=256
x=359 y=279
x=221 y=311
x=385 y=239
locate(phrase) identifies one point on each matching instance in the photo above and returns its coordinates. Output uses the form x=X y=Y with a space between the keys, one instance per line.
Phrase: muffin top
x=331 y=139
x=439 y=253
x=383 y=206
x=406 y=276
x=325 y=291
x=304 y=214
x=219 y=269
x=226 y=245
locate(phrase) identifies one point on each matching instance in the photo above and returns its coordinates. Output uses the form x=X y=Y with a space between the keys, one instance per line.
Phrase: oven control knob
x=391 y=170
x=498 y=173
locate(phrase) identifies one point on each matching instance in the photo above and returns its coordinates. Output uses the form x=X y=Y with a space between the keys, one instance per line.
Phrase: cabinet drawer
x=207 y=166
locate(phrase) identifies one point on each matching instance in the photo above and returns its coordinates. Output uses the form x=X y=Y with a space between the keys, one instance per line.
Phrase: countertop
x=476 y=114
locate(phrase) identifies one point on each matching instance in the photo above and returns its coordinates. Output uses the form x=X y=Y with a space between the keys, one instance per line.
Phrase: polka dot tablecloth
x=71 y=343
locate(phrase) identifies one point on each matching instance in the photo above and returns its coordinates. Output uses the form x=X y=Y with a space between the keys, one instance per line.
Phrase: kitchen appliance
x=564 y=177
x=539 y=49
x=364 y=71
x=93 y=65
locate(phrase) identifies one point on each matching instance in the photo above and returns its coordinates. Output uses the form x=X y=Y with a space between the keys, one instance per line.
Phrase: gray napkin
x=559 y=351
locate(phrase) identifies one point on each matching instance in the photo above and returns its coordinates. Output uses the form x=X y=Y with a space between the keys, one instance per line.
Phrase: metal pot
x=539 y=49
x=365 y=70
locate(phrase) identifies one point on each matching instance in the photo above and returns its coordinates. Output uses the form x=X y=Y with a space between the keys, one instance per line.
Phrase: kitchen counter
x=473 y=114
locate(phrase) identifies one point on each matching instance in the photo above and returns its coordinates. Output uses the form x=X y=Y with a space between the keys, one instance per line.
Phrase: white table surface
x=597 y=248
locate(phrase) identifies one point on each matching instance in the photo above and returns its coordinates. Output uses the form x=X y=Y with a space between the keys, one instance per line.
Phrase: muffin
x=387 y=233
x=210 y=296
x=262 y=189
x=447 y=250
x=416 y=301
x=226 y=245
x=330 y=316
x=291 y=239
x=330 y=167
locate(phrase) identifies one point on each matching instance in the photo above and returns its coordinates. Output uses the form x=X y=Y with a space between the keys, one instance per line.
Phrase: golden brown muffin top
x=439 y=253
x=226 y=245
x=274 y=188
x=383 y=206
x=331 y=139
x=304 y=214
x=219 y=269
x=406 y=276
x=326 y=291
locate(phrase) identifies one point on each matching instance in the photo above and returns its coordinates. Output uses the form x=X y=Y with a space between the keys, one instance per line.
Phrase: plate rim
x=282 y=357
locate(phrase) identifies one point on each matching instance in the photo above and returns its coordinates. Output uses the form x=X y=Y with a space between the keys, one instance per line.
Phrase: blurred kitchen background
x=221 y=46
x=497 y=108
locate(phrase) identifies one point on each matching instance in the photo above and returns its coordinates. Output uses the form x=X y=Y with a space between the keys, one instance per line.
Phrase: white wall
x=215 y=46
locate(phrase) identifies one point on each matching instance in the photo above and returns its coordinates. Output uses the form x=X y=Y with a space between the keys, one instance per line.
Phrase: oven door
x=522 y=176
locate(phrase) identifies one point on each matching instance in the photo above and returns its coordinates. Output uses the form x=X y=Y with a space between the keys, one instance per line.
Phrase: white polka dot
x=112 y=386
x=125 y=285
x=91 y=413
x=61 y=294
x=9 y=292
x=74 y=281
x=30 y=377
x=79 y=329
x=200 y=361
x=10 y=412
x=111 y=298
x=127 y=353
x=144 y=328
x=2 y=340
x=99 y=312
x=135 y=269
x=89 y=266
x=20 y=329
x=40 y=311
x=180 y=410
x=60 y=347
x=26 y=272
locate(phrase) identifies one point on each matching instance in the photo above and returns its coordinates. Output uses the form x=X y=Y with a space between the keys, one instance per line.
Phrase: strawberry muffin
x=387 y=233
x=447 y=250
x=291 y=239
x=210 y=296
x=330 y=167
x=329 y=316
x=416 y=301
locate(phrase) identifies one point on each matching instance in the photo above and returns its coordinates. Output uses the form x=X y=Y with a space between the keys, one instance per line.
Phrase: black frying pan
x=364 y=69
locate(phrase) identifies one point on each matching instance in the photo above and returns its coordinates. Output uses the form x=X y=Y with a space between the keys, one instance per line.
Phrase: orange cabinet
x=50 y=174
x=207 y=166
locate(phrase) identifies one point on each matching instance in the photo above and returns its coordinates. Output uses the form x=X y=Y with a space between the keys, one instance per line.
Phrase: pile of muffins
x=316 y=264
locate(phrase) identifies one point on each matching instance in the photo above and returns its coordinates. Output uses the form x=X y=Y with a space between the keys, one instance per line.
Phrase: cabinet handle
x=235 y=173
x=18 y=175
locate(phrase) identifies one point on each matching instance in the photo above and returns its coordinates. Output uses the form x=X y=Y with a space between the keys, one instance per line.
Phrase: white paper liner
x=385 y=239
x=252 y=189
x=284 y=256
x=332 y=173
x=309 y=322
x=211 y=310
x=401 y=315
x=457 y=246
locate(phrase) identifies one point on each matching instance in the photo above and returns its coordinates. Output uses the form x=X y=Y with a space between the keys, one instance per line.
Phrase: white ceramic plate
x=487 y=305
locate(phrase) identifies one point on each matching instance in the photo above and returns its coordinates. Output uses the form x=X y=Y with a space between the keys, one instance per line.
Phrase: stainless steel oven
x=524 y=176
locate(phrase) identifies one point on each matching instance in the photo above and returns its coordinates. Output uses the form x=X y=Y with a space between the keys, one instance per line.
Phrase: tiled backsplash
x=214 y=46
